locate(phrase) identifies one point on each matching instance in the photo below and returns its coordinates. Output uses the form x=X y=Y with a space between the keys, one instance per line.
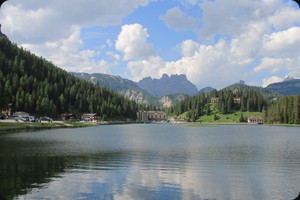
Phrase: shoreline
x=11 y=126
x=7 y=126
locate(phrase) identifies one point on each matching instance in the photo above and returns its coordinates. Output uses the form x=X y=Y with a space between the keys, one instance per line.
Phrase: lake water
x=152 y=161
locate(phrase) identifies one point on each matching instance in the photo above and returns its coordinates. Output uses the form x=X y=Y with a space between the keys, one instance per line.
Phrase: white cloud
x=179 y=21
x=204 y=65
x=274 y=64
x=247 y=44
x=189 y=47
x=143 y=68
x=36 y=20
x=285 y=18
x=132 y=41
x=273 y=79
x=283 y=43
x=113 y=55
x=254 y=30
x=210 y=65
x=67 y=54
x=229 y=44
x=235 y=15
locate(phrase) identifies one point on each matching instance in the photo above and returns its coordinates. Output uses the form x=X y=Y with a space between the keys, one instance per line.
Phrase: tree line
x=35 y=85
x=286 y=110
x=274 y=108
x=225 y=101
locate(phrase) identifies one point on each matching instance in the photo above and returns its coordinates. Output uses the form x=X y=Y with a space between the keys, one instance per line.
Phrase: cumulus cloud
x=143 y=68
x=67 y=54
x=274 y=64
x=52 y=28
x=132 y=41
x=235 y=15
x=273 y=79
x=189 y=47
x=210 y=65
x=283 y=43
x=204 y=65
x=242 y=40
x=255 y=31
x=179 y=21
x=35 y=20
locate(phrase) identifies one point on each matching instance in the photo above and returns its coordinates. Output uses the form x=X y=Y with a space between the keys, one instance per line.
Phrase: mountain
x=242 y=87
x=168 y=85
x=130 y=89
x=206 y=90
x=34 y=85
x=118 y=84
x=287 y=87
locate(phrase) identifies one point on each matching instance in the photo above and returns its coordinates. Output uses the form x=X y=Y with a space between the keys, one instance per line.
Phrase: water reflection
x=152 y=162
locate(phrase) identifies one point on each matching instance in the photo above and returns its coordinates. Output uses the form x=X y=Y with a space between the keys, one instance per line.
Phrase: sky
x=214 y=42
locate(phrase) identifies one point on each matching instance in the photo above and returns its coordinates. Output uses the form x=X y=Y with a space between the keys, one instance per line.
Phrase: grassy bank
x=228 y=118
x=16 y=126
x=216 y=117
x=24 y=126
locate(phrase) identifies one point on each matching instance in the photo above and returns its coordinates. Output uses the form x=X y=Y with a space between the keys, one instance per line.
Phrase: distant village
x=142 y=116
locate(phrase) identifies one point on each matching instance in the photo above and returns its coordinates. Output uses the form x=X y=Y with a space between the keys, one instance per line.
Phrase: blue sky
x=214 y=42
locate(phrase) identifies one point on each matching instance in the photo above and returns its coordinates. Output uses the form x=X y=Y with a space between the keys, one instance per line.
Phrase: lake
x=152 y=161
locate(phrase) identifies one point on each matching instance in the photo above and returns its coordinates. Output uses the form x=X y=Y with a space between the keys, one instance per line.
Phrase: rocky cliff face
x=168 y=85
x=136 y=96
x=171 y=100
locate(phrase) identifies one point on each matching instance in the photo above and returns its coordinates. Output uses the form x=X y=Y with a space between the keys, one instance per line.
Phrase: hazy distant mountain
x=130 y=89
x=289 y=86
x=118 y=84
x=206 y=90
x=174 y=84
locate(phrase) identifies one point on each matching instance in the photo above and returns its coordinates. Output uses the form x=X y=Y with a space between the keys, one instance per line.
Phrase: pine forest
x=34 y=85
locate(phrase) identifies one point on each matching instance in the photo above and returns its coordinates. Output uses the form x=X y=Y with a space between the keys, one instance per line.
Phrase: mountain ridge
x=166 y=85
x=287 y=87
x=130 y=89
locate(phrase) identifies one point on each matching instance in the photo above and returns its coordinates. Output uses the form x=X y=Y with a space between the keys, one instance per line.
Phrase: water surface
x=152 y=161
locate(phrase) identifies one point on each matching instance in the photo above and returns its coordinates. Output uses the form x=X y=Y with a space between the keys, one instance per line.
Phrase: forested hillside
x=235 y=98
x=286 y=111
x=34 y=85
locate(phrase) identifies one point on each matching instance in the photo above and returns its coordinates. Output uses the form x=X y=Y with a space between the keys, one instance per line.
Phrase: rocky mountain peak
x=168 y=85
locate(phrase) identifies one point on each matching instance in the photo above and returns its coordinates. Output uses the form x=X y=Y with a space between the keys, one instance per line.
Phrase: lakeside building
x=255 y=120
x=89 y=117
x=68 y=116
x=147 y=116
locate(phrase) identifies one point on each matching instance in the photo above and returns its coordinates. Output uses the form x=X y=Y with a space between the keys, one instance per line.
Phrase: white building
x=146 y=116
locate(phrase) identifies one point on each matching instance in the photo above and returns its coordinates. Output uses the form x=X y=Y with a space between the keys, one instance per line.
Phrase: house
x=214 y=100
x=255 y=120
x=146 y=116
x=68 y=116
x=89 y=117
